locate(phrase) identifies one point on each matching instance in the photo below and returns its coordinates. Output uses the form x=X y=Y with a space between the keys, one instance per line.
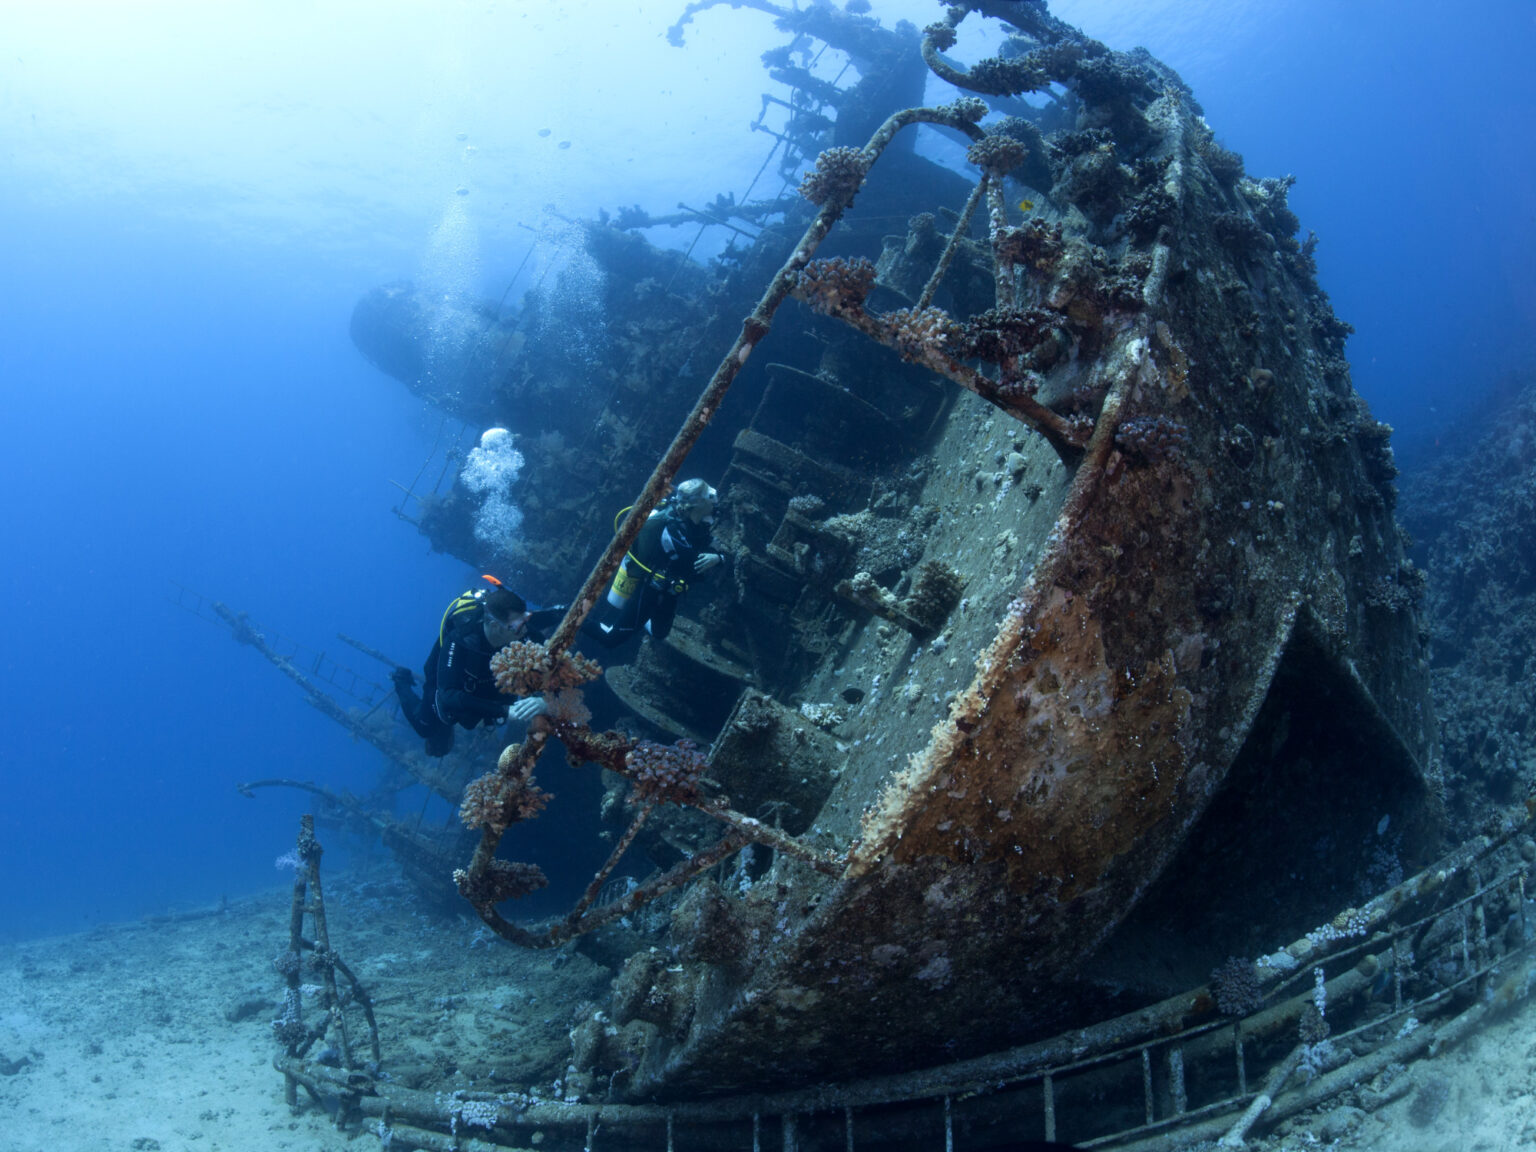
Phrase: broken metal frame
x=610 y=750
x=239 y=624
x=297 y=1038
x=957 y=235
x=427 y=860
x=322 y=667
x=1155 y=1048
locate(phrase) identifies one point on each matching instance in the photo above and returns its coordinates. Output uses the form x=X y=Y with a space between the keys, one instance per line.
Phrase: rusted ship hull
x=1121 y=678
x=1179 y=588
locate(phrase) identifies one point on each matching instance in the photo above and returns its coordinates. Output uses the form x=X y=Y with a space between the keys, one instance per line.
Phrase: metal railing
x=1411 y=971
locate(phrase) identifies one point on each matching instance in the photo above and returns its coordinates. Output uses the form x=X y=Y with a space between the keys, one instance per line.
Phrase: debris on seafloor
x=1078 y=518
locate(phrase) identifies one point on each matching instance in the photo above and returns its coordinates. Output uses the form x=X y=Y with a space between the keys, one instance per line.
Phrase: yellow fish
x=1026 y=205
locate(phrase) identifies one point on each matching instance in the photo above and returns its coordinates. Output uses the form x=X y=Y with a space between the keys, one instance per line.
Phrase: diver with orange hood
x=458 y=685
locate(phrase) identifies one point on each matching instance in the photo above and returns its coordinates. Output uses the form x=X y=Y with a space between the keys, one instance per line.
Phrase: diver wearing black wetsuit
x=459 y=687
x=673 y=547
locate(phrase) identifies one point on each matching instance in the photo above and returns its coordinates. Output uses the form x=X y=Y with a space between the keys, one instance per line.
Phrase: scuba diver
x=672 y=548
x=458 y=686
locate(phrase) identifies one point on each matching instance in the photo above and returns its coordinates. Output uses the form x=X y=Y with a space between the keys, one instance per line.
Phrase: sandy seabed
x=156 y=1036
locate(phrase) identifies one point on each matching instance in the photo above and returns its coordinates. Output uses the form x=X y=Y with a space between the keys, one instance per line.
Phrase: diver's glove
x=706 y=561
x=526 y=709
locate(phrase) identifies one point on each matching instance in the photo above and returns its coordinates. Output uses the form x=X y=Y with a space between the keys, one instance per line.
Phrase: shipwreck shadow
x=1323 y=808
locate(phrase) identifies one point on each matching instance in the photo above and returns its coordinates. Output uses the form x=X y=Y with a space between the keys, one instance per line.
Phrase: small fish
x=1026 y=205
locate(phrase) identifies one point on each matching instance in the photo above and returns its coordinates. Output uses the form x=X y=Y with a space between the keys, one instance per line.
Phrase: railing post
x=1242 y=1067
x=1176 y=1090
x=1397 y=977
x=1050 y=1109
x=1524 y=933
x=1481 y=913
x=1146 y=1083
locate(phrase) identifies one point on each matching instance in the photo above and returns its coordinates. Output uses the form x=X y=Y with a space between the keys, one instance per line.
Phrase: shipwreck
x=1069 y=646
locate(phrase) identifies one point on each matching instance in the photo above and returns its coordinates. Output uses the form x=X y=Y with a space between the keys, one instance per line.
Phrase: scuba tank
x=465 y=602
x=625 y=582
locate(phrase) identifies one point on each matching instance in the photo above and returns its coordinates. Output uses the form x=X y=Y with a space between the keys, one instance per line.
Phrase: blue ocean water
x=192 y=198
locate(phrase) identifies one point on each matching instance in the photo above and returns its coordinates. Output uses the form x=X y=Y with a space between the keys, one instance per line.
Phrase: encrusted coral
x=1003 y=334
x=1313 y=1026
x=1067 y=146
x=1225 y=165
x=934 y=595
x=868 y=589
x=1269 y=199
x=1402 y=594
x=1241 y=233
x=915 y=331
x=942 y=36
x=566 y=707
x=583 y=746
x=1036 y=245
x=667 y=773
x=1149 y=212
x=998 y=77
x=1112 y=78
x=1096 y=181
x=1375 y=442
x=1034 y=169
x=502 y=880
x=497 y=801
x=827 y=716
x=1153 y=438
x=968 y=108
x=997 y=155
x=523 y=668
x=829 y=286
x=838 y=175
x=476 y=1113
x=1235 y=985
x=1023 y=388
x=645 y=990
x=288 y=1029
